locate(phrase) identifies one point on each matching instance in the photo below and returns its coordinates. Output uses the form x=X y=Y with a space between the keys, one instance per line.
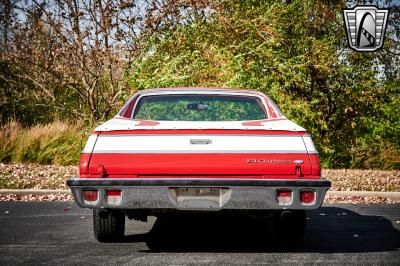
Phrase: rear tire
x=108 y=225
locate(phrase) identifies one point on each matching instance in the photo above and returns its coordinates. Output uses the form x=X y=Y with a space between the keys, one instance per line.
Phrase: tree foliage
x=295 y=51
x=72 y=58
x=199 y=108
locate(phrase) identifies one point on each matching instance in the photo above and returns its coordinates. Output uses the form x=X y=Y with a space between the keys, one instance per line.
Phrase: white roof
x=200 y=90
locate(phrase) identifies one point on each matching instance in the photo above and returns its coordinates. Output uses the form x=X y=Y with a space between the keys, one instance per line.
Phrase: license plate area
x=199 y=197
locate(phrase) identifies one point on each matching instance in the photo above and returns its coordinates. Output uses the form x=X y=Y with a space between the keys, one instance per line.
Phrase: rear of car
x=176 y=150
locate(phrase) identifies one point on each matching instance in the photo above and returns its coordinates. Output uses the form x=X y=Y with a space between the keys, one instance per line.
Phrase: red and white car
x=176 y=150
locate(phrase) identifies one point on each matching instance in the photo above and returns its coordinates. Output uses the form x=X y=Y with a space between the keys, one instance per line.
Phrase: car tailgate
x=266 y=155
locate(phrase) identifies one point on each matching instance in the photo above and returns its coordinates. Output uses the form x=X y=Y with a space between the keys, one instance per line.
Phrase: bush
x=57 y=143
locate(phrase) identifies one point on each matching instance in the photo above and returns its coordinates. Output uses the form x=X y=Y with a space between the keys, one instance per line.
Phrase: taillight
x=307 y=197
x=84 y=163
x=86 y=153
x=315 y=165
x=90 y=196
x=284 y=197
x=313 y=156
x=114 y=197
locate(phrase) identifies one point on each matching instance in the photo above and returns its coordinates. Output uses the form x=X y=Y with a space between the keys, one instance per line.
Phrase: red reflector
x=113 y=192
x=84 y=163
x=284 y=197
x=90 y=195
x=307 y=197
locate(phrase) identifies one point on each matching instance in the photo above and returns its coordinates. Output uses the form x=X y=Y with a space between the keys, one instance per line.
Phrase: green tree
x=295 y=51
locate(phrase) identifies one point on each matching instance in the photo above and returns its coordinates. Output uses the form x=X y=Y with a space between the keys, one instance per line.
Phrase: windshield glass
x=199 y=108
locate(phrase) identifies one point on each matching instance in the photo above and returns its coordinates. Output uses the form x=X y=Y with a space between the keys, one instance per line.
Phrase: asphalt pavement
x=57 y=233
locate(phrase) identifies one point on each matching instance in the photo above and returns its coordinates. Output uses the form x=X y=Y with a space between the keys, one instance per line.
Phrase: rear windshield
x=199 y=108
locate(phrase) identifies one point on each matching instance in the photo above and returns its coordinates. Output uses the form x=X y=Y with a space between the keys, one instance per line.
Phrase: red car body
x=141 y=167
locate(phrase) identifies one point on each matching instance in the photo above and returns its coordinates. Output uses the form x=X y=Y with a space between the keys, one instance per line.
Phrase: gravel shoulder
x=34 y=176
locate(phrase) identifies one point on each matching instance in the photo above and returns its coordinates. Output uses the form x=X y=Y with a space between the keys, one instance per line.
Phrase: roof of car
x=197 y=89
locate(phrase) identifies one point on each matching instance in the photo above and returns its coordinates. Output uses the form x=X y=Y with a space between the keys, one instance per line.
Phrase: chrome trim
x=241 y=195
x=200 y=141
x=190 y=181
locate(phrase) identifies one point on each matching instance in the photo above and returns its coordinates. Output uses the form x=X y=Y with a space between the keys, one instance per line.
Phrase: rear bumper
x=235 y=194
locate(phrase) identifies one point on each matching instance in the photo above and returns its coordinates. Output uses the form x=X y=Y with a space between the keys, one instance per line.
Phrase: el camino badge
x=268 y=161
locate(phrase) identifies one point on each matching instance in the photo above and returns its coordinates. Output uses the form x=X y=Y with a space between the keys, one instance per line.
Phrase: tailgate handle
x=200 y=141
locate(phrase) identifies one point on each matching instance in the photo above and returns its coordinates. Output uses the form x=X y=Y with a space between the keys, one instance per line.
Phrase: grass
x=56 y=143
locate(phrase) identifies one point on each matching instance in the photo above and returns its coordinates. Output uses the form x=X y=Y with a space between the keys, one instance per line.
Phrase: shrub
x=54 y=143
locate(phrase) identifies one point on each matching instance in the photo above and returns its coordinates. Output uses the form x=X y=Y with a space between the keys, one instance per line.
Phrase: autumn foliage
x=80 y=60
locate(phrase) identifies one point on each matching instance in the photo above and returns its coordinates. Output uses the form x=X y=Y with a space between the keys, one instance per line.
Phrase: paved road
x=61 y=234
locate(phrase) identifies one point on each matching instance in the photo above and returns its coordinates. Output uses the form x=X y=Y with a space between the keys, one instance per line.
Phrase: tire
x=108 y=225
x=292 y=226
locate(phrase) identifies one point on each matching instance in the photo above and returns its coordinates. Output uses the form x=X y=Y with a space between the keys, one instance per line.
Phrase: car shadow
x=328 y=230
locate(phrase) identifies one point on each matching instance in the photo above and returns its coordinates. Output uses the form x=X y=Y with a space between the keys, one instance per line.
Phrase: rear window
x=199 y=108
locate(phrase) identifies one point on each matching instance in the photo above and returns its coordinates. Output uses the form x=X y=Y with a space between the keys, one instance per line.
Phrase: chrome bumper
x=239 y=194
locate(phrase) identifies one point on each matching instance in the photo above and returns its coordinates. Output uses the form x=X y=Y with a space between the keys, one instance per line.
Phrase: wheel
x=108 y=225
x=291 y=225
